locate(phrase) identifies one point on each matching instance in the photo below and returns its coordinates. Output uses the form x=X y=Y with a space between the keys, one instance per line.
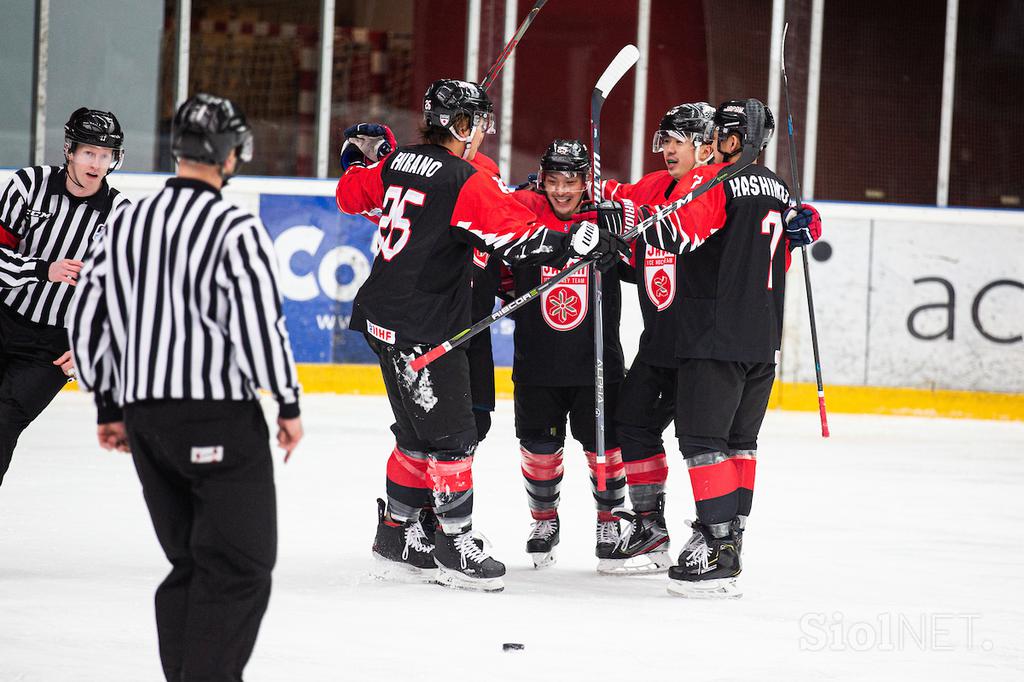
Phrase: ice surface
x=891 y=551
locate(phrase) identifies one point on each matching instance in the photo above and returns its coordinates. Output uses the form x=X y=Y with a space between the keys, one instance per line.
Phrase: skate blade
x=642 y=564
x=544 y=559
x=398 y=572
x=459 y=581
x=721 y=588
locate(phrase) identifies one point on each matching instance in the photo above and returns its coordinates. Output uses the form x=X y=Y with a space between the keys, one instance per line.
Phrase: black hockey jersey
x=436 y=208
x=732 y=276
x=554 y=340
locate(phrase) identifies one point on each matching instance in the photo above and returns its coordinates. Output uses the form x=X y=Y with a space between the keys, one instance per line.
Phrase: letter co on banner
x=324 y=256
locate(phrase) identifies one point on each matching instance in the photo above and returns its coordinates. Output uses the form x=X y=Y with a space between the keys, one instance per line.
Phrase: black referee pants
x=208 y=480
x=28 y=378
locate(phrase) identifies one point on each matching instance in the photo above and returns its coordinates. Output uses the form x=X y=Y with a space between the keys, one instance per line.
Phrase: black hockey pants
x=28 y=378
x=208 y=481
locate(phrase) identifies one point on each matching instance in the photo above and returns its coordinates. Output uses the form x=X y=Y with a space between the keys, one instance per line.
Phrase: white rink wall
x=915 y=297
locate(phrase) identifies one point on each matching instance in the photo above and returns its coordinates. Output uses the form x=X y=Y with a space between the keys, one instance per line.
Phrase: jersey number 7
x=772 y=224
x=395 y=228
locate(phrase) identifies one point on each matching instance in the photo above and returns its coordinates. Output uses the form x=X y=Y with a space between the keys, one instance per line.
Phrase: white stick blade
x=623 y=62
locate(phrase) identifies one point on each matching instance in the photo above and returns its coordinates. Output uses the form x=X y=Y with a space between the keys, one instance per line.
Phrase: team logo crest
x=565 y=306
x=480 y=258
x=444 y=118
x=660 y=277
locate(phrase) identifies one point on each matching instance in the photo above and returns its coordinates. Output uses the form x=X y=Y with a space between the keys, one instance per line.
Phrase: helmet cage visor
x=548 y=180
x=484 y=120
x=660 y=136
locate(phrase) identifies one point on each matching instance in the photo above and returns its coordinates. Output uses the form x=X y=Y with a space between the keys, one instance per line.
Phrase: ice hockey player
x=731 y=291
x=374 y=141
x=648 y=394
x=437 y=207
x=49 y=216
x=553 y=369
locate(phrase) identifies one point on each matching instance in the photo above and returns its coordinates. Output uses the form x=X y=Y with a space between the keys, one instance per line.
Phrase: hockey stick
x=618 y=67
x=751 y=149
x=803 y=249
x=503 y=57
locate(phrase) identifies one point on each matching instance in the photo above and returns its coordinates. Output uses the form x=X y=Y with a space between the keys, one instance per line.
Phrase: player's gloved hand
x=803 y=225
x=531 y=182
x=586 y=239
x=366 y=143
x=618 y=217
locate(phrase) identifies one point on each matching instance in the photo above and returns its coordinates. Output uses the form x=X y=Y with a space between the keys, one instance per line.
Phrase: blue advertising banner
x=324 y=256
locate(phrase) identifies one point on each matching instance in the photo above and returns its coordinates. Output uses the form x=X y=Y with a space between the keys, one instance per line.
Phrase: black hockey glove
x=366 y=143
x=588 y=240
x=618 y=217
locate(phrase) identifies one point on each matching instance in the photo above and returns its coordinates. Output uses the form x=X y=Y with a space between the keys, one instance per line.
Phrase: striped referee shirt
x=41 y=223
x=180 y=300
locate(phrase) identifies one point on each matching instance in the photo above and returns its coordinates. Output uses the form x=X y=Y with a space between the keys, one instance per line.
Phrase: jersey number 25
x=395 y=228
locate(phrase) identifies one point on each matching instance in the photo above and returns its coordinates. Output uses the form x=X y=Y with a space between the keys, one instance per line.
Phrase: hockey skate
x=643 y=547
x=607 y=538
x=463 y=562
x=403 y=552
x=542 y=542
x=708 y=566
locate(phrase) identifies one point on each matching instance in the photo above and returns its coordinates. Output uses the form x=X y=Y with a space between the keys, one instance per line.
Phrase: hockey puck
x=512 y=646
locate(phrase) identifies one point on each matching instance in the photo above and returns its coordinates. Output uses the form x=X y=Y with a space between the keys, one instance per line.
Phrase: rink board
x=919 y=310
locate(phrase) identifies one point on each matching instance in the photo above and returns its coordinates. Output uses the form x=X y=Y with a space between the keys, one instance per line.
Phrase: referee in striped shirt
x=48 y=216
x=177 y=320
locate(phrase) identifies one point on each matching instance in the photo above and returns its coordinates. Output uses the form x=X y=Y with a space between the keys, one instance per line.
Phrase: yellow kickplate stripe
x=365 y=380
x=904 y=401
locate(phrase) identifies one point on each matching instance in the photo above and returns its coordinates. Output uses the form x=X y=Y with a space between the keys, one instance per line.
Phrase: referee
x=177 y=320
x=48 y=216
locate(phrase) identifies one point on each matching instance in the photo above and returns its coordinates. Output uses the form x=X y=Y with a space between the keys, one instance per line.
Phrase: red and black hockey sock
x=643 y=454
x=407 y=485
x=542 y=474
x=715 y=489
x=450 y=473
x=614 y=494
x=745 y=462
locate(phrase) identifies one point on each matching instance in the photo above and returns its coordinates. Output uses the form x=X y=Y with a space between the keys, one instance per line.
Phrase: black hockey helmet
x=447 y=98
x=731 y=117
x=206 y=129
x=96 y=128
x=569 y=157
x=692 y=120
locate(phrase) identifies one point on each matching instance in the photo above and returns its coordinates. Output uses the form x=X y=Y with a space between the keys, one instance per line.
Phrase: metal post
x=948 y=90
x=643 y=43
x=771 y=157
x=184 y=38
x=813 y=90
x=508 y=81
x=326 y=79
x=473 y=40
x=39 y=78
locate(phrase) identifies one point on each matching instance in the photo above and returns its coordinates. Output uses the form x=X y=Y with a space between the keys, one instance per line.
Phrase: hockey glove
x=366 y=143
x=803 y=225
x=588 y=240
x=618 y=217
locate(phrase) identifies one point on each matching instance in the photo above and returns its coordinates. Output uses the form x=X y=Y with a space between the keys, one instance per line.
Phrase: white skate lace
x=543 y=530
x=632 y=526
x=607 y=532
x=415 y=537
x=698 y=548
x=469 y=549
